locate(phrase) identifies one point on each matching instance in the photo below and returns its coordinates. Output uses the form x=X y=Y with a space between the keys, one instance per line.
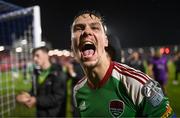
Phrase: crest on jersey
x=116 y=107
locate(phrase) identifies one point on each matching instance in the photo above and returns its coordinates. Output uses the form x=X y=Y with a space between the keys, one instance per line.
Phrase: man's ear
x=106 y=41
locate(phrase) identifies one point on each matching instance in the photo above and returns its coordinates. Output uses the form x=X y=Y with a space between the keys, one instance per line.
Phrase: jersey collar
x=105 y=78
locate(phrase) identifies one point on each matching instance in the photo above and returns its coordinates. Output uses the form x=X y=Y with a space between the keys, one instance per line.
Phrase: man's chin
x=89 y=64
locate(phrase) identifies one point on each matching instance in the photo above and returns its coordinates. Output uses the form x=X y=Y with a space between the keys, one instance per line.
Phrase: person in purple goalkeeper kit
x=159 y=68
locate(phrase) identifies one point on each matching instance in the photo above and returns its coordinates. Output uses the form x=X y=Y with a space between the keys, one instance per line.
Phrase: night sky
x=136 y=24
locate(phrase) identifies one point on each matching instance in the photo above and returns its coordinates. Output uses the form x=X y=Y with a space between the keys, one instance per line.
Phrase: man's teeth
x=87 y=43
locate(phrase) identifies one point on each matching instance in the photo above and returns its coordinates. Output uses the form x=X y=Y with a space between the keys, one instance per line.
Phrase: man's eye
x=78 y=28
x=95 y=28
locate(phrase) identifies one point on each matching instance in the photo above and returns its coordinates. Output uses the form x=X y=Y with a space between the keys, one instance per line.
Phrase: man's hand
x=31 y=102
x=23 y=97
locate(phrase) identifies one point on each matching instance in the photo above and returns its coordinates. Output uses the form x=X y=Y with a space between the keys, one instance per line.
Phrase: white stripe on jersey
x=132 y=69
x=79 y=85
x=132 y=79
x=130 y=74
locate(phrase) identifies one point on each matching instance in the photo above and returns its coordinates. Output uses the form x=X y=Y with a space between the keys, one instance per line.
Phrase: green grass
x=20 y=85
x=21 y=110
x=173 y=91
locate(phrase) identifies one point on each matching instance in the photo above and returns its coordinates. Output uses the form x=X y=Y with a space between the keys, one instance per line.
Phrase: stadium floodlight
x=1 y=48
x=19 y=49
x=24 y=42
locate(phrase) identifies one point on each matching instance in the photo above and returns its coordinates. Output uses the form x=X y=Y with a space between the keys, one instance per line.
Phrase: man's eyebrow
x=79 y=24
x=84 y=25
x=95 y=23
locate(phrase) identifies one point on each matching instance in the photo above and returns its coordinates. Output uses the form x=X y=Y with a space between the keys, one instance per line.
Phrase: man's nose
x=87 y=31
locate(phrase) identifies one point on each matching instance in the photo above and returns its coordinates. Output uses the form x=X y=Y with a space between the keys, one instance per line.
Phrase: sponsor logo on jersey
x=82 y=106
x=153 y=92
x=116 y=108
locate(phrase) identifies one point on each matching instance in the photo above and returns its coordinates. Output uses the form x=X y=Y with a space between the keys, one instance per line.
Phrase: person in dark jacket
x=48 y=91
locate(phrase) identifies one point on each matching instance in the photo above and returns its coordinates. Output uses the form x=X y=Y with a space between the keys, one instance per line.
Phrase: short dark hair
x=92 y=13
x=43 y=48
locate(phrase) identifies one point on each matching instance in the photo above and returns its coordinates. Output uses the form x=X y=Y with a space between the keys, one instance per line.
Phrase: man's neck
x=97 y=74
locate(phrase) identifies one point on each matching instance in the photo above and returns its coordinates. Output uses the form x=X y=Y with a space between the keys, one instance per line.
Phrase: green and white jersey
x=123 y=92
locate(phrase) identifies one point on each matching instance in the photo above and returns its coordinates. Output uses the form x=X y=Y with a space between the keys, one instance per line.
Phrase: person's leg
x=175 y=81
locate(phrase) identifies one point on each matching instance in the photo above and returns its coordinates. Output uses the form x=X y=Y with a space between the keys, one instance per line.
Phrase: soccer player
x=110 y=89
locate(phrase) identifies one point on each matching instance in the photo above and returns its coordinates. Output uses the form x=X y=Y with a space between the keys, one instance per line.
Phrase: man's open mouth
x=88 y=49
